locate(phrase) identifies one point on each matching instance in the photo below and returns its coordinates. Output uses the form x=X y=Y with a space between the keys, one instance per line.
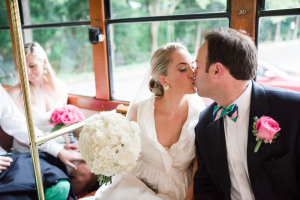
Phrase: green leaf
x=253 y=131
x=57 y=127
x=50 y=120
x=102 y=179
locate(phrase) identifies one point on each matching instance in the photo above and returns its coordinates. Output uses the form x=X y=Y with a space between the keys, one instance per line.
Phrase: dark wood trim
x=185 y=17
x=97 y=17
x=243 y=21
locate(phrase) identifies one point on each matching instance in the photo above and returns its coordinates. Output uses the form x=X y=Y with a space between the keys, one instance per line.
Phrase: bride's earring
x=45 y=70
x=167 y=86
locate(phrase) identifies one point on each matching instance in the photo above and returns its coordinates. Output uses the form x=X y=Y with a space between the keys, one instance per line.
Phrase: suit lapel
x=258 y=107
x=219 y=155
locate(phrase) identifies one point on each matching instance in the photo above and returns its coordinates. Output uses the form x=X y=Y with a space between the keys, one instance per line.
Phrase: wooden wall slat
x=243 y=21
x=97 y=17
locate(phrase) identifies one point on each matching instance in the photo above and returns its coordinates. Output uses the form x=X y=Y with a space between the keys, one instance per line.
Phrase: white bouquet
x=110 y=144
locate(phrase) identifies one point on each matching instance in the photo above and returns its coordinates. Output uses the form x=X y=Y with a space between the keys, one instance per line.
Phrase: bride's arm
x=190 y=192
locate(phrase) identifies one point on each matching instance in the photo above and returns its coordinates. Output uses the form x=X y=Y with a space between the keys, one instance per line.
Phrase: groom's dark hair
x=234 y=49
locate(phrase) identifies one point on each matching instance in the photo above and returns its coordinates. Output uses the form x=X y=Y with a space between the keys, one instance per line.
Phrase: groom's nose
x=195 y=72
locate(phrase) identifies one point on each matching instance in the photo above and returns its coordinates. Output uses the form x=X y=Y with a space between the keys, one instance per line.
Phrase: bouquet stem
x=103 y=179
x=257 y=146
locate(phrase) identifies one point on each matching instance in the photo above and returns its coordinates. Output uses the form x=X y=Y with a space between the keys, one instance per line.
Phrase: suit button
x=241 y=175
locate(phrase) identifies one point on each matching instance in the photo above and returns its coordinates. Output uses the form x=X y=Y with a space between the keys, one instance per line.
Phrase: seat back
x=6 y=140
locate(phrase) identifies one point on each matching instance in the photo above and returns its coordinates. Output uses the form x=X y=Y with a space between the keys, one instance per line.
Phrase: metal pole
x=17 y=32
x=41 y=139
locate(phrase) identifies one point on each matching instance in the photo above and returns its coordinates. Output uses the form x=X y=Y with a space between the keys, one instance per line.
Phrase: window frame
x=182 y=17
x=100 y=17
x=262 y=12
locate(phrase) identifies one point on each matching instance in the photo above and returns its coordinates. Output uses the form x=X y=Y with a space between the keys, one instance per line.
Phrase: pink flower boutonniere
x=266 y=130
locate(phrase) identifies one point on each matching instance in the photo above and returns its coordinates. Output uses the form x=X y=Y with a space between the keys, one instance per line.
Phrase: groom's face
x=202 y=81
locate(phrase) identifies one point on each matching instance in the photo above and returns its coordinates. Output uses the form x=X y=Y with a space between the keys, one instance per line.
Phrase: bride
x=167 y=119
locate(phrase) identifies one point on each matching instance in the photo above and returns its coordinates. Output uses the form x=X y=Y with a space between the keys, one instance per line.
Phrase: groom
x=228 y=167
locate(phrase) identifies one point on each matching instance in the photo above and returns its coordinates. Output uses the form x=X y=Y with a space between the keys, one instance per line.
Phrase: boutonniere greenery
x=266 y=130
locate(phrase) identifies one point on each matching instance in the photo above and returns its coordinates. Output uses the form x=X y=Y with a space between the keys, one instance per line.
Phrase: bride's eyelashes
x=182 y=70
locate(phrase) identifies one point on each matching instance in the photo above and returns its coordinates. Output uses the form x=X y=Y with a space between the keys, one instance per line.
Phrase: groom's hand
x=67 y=156
x=4 y=163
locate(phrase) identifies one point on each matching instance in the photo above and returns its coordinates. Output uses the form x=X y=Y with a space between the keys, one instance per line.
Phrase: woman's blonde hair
x=159 y=63
x=38 y=52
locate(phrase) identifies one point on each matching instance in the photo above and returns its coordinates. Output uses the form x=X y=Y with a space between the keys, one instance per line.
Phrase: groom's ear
x=217 y=70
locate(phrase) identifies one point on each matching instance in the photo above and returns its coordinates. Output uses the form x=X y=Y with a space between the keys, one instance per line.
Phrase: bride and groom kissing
x=230 y=144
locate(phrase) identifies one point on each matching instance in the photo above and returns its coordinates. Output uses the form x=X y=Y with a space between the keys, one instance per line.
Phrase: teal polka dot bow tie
x=231 y=111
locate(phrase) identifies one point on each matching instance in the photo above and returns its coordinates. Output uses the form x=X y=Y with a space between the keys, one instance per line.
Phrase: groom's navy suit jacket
x=274 y=171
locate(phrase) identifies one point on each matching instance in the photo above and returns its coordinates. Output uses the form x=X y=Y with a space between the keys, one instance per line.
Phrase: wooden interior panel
x=5 y=87
x=97 y=17
x=94 y=104
x=243 y=21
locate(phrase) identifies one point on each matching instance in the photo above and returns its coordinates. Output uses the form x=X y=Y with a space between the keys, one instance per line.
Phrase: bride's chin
x=193 y=91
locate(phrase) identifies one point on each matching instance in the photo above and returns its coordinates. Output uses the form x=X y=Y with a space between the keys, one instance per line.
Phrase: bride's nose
x=191 y=75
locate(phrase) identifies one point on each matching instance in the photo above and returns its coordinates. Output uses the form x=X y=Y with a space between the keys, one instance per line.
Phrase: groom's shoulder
x=281 y=96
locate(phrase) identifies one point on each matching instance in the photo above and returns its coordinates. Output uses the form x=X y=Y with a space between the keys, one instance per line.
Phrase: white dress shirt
x=236 y=134
x=13 y=123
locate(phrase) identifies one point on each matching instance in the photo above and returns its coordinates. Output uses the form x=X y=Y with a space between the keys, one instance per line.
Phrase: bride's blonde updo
x=159 y=63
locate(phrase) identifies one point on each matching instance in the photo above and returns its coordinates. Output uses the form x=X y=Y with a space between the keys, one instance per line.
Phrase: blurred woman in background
x=48 y=93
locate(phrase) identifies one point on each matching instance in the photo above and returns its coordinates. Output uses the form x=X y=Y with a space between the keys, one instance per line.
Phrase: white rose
x=117 y=152
x=126 y=139
x=135 y=127
x=125 y=159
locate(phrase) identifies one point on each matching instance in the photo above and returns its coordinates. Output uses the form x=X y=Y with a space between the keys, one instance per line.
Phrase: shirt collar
x=243 y=101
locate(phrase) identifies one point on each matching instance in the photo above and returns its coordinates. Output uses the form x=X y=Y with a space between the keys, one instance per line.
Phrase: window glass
x=132 y=44
x=278 y=52
x=70 y=55
x=146 y=8
x=3 y=14
x=7 y=66
x=54 y=11
x=280 y=4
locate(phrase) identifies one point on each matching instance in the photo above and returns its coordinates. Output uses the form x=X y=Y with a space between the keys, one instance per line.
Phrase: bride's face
x=180 y=74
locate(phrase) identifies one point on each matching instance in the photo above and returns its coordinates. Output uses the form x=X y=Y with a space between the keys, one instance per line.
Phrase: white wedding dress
x=161 y=173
